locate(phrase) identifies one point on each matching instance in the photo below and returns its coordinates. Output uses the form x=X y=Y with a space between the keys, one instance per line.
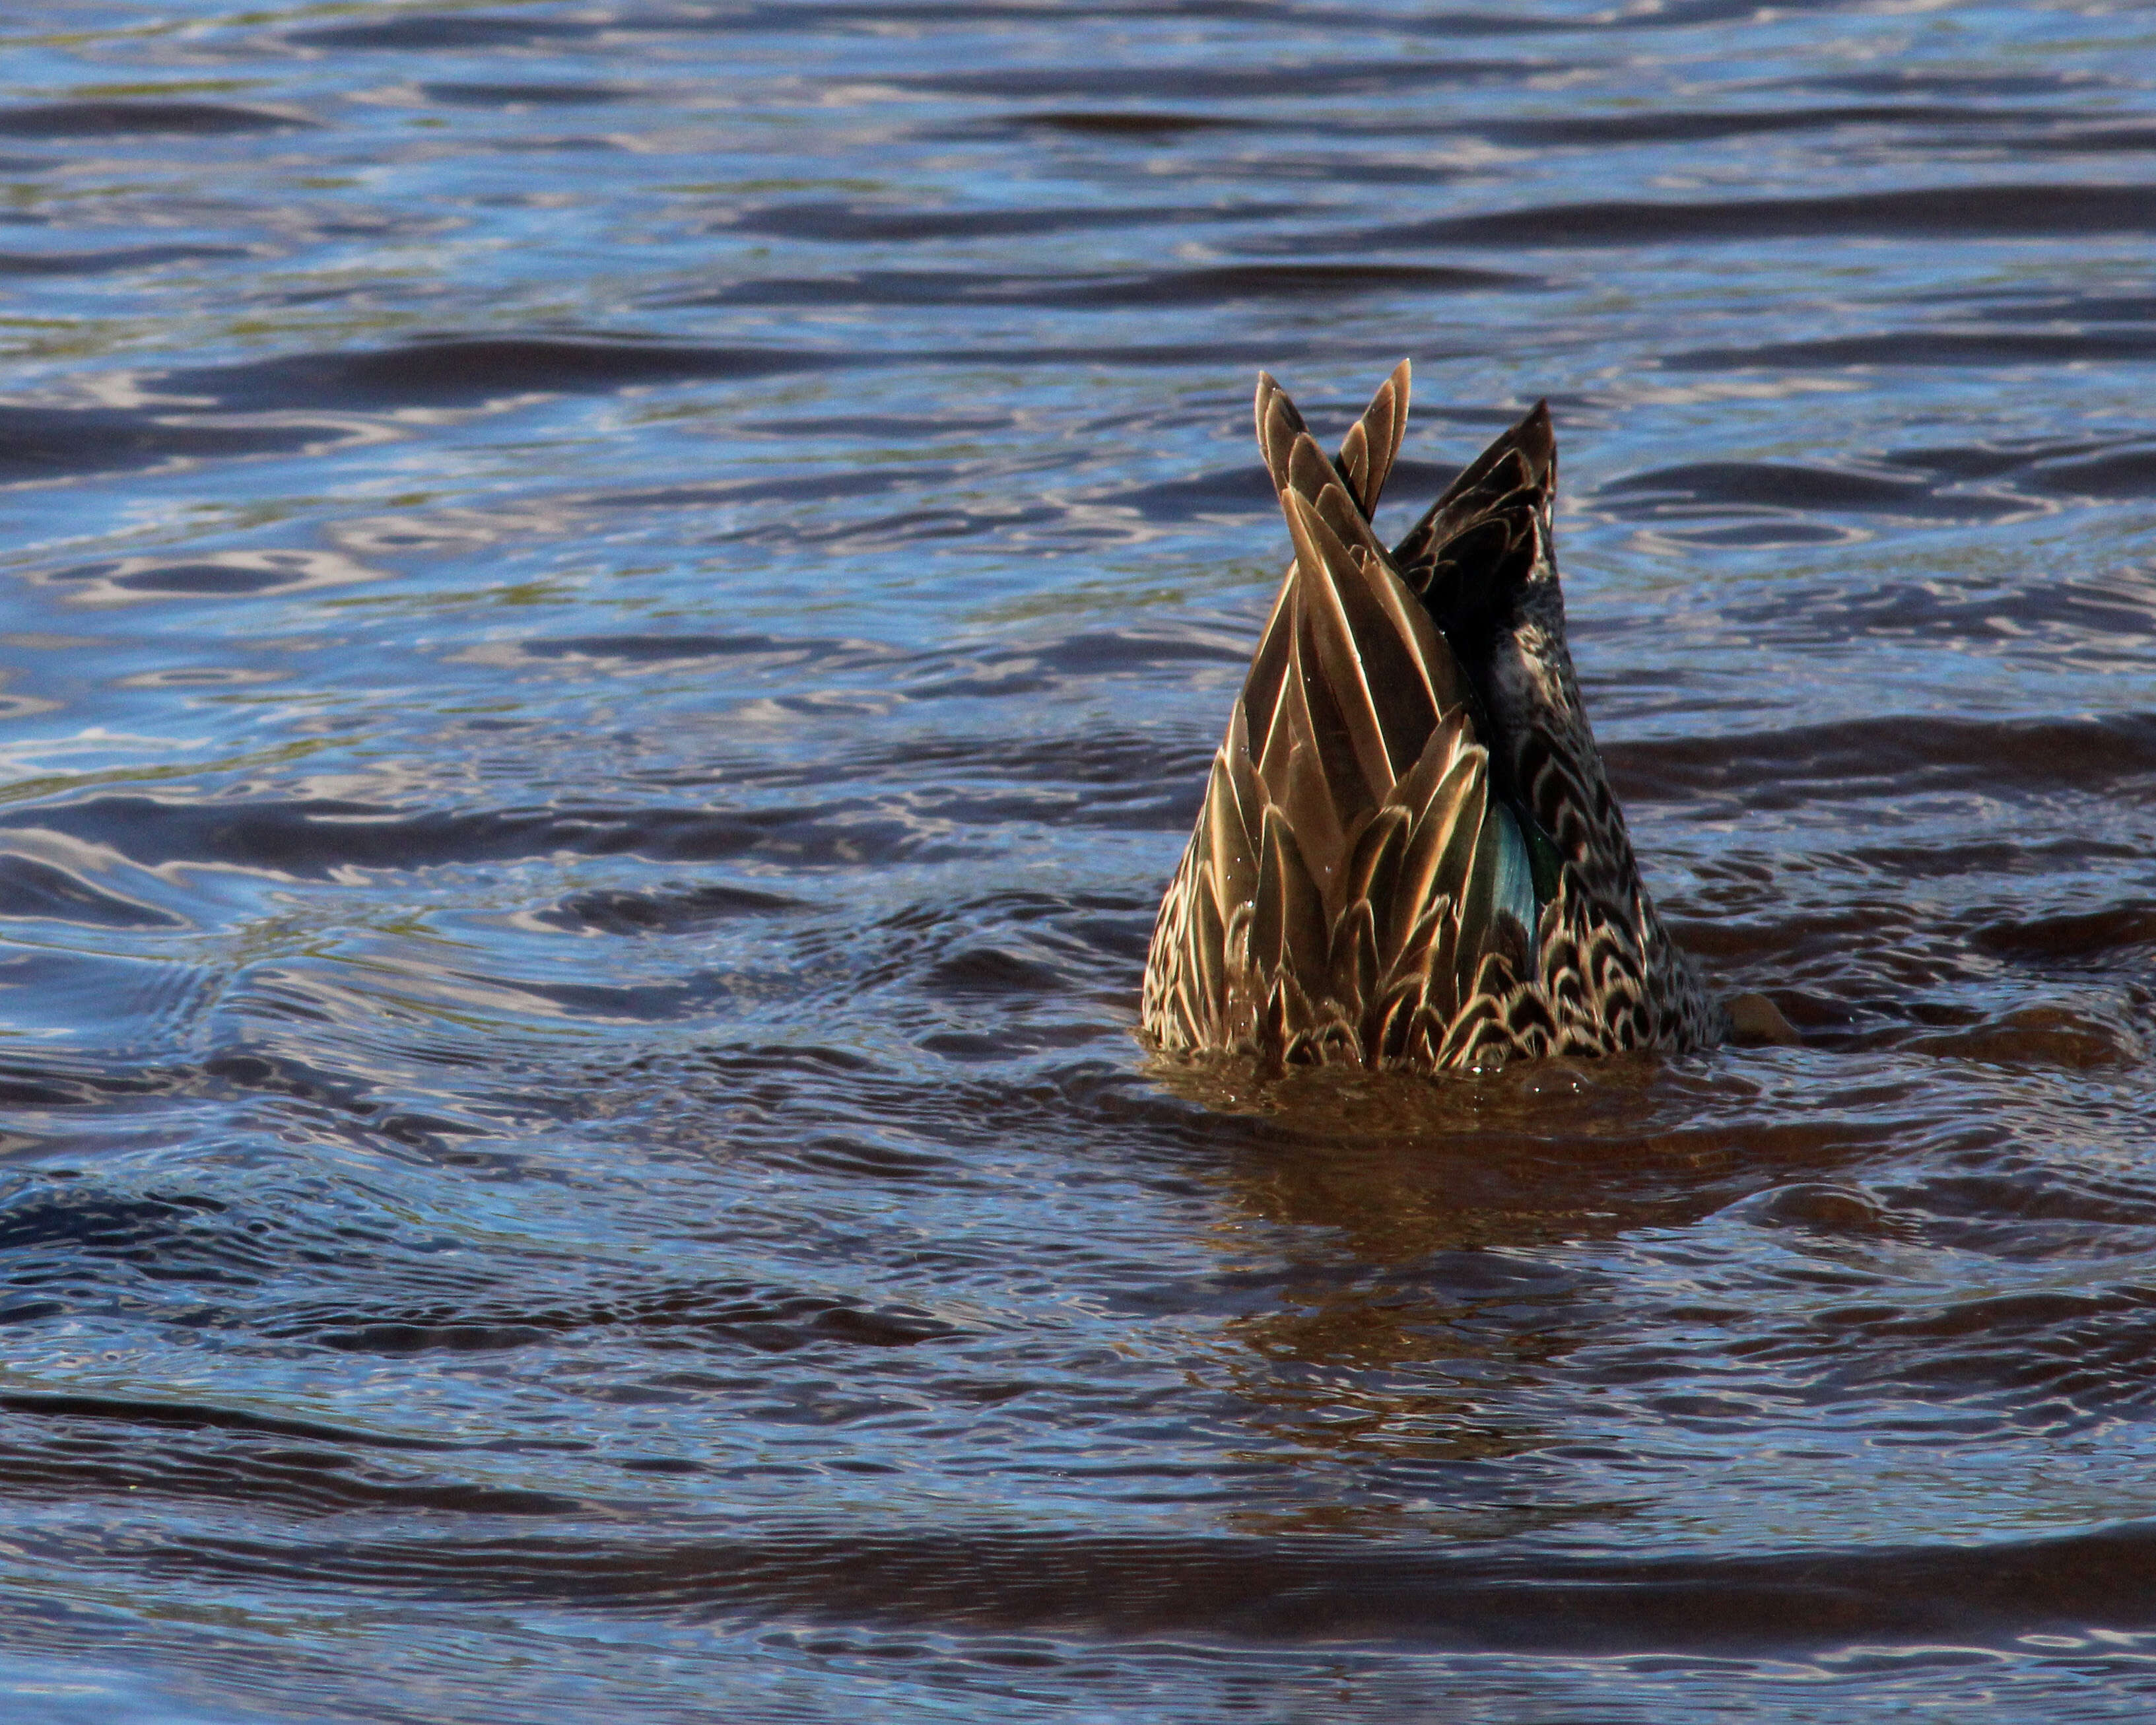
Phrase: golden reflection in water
x=1418 y=1310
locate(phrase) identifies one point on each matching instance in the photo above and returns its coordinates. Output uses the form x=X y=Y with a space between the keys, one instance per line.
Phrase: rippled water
x=614 y=619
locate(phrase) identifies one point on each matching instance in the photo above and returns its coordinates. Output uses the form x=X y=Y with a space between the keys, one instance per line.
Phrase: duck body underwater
x=1408 y=855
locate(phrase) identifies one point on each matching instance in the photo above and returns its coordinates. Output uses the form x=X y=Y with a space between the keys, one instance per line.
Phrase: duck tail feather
x=1415 y=669
x=1374 y=442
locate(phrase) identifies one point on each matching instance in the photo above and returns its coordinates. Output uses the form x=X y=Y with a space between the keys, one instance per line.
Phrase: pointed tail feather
x=1367 y=452
x=1366 y=458
x=1374 y=441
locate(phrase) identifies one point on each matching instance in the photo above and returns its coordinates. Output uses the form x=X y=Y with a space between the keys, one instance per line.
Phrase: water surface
x=614 y=619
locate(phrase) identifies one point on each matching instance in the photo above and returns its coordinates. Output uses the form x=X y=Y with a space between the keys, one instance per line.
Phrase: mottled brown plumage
x=1408 y=855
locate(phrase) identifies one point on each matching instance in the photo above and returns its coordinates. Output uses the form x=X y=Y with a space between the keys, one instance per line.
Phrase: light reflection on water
x=617 y=617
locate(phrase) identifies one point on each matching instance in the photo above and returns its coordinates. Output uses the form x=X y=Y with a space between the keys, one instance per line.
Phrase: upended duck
x=1408 y=855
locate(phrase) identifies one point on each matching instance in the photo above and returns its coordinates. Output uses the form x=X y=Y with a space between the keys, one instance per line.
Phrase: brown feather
x=1355 y=886
x=1372 y=443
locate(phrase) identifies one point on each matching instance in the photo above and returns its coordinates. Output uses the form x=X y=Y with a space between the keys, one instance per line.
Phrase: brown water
x=614 y=619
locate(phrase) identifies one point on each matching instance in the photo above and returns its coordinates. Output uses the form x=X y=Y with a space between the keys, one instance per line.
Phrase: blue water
x=614 y=619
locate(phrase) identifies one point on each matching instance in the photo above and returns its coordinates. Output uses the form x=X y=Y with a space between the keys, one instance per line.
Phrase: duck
x=1409 y=855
